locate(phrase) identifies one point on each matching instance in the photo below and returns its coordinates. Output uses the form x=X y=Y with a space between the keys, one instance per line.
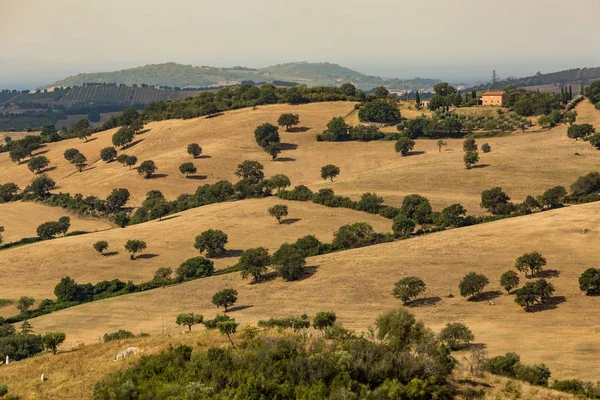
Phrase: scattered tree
x=329 y=171
x=131 y=161
x=289 y=262
x=122 y=159
x=194 y=150
x=589 y=281
x=24 y=304
x=279 y=182
x=469 y=144
x=441 y=143
x=252 y=170
x=470 y=158
x=407 y=289
x=79 y=161
x=187 y=168
x=254 y=263
x=228 y=328
x=273 y=149
x=456 y=335
x=36 y=164
x=41 y=186
x=288 y=120
x=494 y=200
x=278 y=211
x=147 y=168
x=509 y=280
x=53 y=339
x=403 y=226
x=212 y=242
x=486 y=148
x=135 y=246
x=195 y=267
x=404 y=145
x=69 y=154
x=225 y=298
x=266 y=134
x=108 y=154
x=189 y=320
x=100 y=246
x=472 y=285
x=533 y=262
x=580 y=131
x=533 y=293
x=123 y=137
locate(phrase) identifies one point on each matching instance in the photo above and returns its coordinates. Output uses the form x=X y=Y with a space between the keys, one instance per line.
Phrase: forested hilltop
x=583 y=76
x=179 y=75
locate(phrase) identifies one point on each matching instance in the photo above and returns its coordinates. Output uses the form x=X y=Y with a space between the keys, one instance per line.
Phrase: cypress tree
x=581 y=92
x=418 y=99
x=570 y=93
x=562 y=95
x=474 y=94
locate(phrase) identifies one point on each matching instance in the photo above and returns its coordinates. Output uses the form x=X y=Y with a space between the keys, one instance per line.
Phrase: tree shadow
x=39 y=153
x=238 y=308
x=289 y=221
x=550 y=304
x=231 y=253
x=169 y=217
x=47 y=170
x=158 y=176
x=288 y=146
x=91 y=140
x=308 y=272
x=480 y=166
x=268 y=277
x=487 y=296
x=146 y=256
x=285 y=159
x=130 y=145
x=548 y=273
x=299 y=129
x=214 y=115
x=424 y=302
x=197 y=177
x=473 y=383
x=200 y=157
x=89 y=168
x=474 y=346
x=143 y=131
x=110 y=253
x=415 y=153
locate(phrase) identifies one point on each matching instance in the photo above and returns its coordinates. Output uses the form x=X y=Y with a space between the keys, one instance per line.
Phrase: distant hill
x=182 y=76
x=550 y=82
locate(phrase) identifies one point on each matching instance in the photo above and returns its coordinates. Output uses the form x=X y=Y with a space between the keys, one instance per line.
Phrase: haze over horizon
x=463 y=41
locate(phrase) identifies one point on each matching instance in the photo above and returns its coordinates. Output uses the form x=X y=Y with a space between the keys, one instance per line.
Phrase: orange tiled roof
x=500 y=93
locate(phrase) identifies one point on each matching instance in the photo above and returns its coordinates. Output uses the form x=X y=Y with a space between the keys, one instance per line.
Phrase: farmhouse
x=493 y=98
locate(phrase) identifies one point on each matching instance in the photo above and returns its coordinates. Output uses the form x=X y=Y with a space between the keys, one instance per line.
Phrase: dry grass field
x=21 y=219
x=72 y=374
x=539 y=159
x=35 y=269
x=357 y=285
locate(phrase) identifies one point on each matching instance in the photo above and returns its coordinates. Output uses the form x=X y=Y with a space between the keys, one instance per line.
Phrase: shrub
x=379 y=111
x=212 y=241
x=369 y=202
x=365 y=133
x=225 y=298
x=472 y=285
x=294 y=323
x=456 y=335
x=352 y=236
x=53 y=339
x=509 y=280
x=309 y=246
x=3 y=390
x=299 y=193
x=118 y=335
x=502 y=365
x=196 y=267
x=470 y=158
x=533 y=374
x=417 y=207
x=289 y=262
x=486 y=148
x=324 y=319
x=494 y=200
x=403 y=226
x=407 y=289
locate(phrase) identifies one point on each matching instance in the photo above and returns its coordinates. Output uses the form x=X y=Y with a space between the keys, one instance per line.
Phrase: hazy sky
x=45 y=40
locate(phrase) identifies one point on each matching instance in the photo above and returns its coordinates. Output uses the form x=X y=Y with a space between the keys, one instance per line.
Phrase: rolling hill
x=179 y=75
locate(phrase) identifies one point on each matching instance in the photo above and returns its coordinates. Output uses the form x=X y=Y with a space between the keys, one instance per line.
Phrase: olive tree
x=407 y=289
x=79 y=161
x=225 y=298
x=100 y=246
x=36 y=164
x=212 y=242
x=147 y=168
x=472 y=285
x=288 y=120
x=278 y=211
x=53 y=339
x=279 y=182
x=189 y=320
x=108 y=154
x=187 y=168
x=404 y=145
x=135 y=246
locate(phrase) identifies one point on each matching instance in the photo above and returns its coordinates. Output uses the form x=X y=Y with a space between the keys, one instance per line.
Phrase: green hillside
x=576 y=76
x=179 y=75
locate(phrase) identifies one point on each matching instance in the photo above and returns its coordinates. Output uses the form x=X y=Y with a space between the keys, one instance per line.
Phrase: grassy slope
x=357 y=285
x=21 y=219
x=72 y=374
x=170 y=242
x=539 y=160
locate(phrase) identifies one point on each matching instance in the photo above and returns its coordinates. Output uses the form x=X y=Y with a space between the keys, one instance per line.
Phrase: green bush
x=118 y=335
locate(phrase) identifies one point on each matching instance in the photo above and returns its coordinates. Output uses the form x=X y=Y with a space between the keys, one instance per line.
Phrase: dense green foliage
x=510 y=365
x=212 y=242
x=472 y=285
x=456 y=335
x=407 y=289
x=406 y=362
